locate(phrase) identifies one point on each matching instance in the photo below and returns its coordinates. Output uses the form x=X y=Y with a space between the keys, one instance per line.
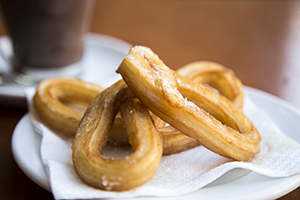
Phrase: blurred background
x=251 y=37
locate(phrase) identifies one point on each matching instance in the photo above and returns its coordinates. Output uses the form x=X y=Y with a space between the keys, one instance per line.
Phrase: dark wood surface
x=259 y=40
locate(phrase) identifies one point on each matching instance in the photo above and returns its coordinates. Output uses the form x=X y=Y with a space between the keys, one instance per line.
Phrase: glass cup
x=47 y=37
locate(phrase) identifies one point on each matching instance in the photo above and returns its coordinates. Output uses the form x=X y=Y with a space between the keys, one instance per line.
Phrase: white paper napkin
x=177 y=174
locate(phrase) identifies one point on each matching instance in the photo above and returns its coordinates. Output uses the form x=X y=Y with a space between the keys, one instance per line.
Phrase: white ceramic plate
x=26 y=151
x=102 y=56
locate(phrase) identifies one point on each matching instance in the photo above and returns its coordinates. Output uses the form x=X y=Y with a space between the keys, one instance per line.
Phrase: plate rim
x=294 y=181
x=15 y=93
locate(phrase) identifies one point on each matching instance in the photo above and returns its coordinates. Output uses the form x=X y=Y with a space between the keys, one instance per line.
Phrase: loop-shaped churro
x=179 y=102
x=216 y=76
x=61 y=102
x=122 y=173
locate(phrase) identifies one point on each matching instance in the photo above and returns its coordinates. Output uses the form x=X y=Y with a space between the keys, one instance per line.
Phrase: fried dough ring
x=123 y=173
x=60 y=103
x=216 y=76
x=169 y=95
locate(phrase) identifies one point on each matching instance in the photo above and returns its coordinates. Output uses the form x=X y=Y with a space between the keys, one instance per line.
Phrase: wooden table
x=259 y=40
